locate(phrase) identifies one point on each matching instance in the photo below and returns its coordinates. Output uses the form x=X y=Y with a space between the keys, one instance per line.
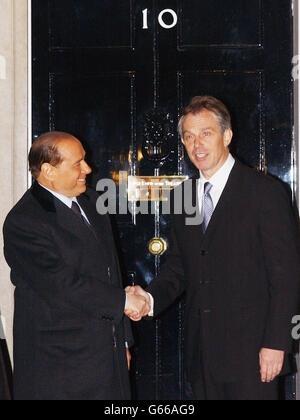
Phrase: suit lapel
x=60 y=213
x=94 y=218
x=68 y=220
x=103 y=237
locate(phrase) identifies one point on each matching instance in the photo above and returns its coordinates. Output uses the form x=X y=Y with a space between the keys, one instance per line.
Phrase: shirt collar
x=66 y=200
x=220 y=178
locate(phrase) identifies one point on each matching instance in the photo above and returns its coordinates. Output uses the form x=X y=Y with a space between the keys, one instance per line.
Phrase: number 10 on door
x=161 y=20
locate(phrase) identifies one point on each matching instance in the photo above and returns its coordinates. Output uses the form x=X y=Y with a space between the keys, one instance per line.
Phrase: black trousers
x=251 y=389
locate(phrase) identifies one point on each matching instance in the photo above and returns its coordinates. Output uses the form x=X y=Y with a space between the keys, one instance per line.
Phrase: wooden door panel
x=91 y=24
x=86 y=107
x=208 y=26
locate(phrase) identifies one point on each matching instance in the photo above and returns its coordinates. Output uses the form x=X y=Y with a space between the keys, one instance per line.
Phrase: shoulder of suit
x=249 y=178
x=23 y=205
x=27 y=211
x=263 y=184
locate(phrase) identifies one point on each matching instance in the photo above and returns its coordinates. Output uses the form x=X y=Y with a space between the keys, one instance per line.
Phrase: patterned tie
x=77 y=211
x=208 y=206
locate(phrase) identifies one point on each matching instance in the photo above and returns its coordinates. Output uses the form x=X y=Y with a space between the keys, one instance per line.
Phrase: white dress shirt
x=218 y=182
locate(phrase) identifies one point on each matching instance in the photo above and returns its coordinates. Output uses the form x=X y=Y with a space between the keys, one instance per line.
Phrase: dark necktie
x=208 y=206
x=77 y=211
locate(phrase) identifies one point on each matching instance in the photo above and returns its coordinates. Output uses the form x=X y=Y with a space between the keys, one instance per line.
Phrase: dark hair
x=199 y=103
x=45 y=150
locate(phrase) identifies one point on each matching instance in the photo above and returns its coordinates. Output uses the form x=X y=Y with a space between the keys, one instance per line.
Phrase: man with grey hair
x=240 y=268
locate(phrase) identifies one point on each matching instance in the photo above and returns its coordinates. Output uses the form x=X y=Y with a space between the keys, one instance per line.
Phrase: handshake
x=138 y=303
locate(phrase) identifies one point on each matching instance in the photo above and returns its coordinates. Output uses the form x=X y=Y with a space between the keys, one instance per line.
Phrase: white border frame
x=29 y=88
x=296 y=14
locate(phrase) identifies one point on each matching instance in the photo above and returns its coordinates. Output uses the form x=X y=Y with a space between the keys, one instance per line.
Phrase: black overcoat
x=241 y=277
x=69 y=324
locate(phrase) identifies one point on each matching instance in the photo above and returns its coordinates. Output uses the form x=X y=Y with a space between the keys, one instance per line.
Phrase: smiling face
x=205 y=143
x=68 y=177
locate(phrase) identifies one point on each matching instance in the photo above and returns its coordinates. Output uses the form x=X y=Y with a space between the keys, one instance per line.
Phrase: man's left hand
x=271 y=362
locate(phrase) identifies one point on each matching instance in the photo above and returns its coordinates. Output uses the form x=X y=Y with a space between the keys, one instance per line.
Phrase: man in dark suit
x=70 y=332
x=240 y=268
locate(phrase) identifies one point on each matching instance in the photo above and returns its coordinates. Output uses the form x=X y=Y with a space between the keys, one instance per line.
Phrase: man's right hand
x=137 y=305
x=137 y=296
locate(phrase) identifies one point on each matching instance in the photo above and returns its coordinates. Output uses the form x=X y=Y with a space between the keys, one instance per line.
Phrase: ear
x=48 y=171
x=227 y=137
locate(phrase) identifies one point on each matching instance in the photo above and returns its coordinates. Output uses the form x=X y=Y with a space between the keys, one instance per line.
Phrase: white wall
x=13 y=131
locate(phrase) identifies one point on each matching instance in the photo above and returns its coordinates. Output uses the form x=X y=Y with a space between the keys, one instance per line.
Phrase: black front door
x=116 y=74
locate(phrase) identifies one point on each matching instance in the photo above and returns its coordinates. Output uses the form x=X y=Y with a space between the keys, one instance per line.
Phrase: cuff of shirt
x=151 y=312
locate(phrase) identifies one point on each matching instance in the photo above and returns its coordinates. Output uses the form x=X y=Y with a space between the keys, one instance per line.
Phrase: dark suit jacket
x=69 y=327
x=241 y=277
x=5 y=392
